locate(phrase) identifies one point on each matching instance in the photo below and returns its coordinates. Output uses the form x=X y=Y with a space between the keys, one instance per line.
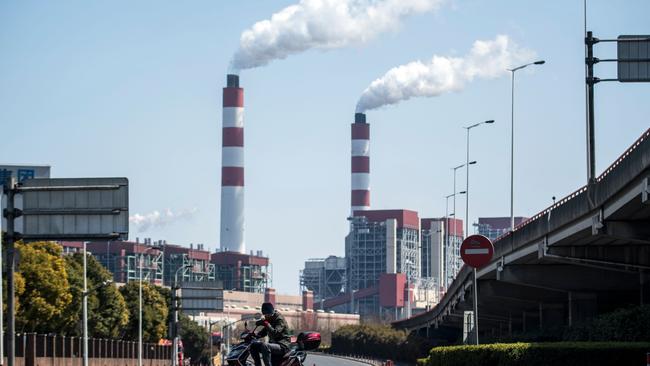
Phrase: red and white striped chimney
x=232 y=168
x=360 y=163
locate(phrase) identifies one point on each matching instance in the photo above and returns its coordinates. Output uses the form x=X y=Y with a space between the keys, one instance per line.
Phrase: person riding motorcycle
x=275 y=327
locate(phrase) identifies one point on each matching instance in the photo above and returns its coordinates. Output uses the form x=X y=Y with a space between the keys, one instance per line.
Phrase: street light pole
x=449 y=256
x=512 y=138
x=175 y=308
x=85 y=310
x=210 y=324
x=455 y=169
x=467 y=164
x=140 y=313
x=140 y=264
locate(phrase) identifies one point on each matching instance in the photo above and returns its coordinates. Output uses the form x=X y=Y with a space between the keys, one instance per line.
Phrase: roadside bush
x=539 y=354
x=631 y=324
x=379 y=341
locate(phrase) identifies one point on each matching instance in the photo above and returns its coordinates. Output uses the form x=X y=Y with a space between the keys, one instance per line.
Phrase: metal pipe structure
x=232 y=168
x=512 y=139
x=360 y=195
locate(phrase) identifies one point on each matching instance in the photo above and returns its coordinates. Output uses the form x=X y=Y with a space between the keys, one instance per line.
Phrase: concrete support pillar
x=510 y=324
x=581 y=307
x=644 y=287
x=570 y=308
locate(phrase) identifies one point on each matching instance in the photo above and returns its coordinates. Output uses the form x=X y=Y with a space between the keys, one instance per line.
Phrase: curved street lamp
x=512 y=138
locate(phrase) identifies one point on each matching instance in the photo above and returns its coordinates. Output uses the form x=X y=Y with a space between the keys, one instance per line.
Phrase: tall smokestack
x=232 y=168
x=360 y=163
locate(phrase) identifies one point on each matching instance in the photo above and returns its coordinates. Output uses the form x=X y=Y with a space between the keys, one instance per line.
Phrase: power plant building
x=325 y=277
x=243 y=272
x=441 y=240
x=494 y=227
x=381 y=242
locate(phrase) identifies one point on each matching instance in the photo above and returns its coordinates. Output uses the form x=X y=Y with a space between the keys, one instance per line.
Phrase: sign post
x=59 y=209
x=476 y=251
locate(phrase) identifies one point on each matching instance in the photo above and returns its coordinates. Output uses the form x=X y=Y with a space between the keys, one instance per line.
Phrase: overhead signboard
x=476 y=251
x=74 y=209
x=633 y=58
x=23 y=172
x=201 y=296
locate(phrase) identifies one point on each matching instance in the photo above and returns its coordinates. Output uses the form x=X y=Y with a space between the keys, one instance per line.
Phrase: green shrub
x=630 y=324
x=379 y=341
x=538 y=354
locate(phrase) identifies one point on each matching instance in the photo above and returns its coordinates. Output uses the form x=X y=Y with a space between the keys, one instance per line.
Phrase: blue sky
x=134 y=89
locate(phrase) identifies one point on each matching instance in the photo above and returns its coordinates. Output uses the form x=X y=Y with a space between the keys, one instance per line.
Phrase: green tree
x=166 y=293
x=195 y=340
x=46 y=288
x=154 y=312
x=70 y=323
x=107 y=311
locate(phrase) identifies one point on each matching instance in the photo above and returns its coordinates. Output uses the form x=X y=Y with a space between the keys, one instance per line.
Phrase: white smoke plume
x=157 y=219
x=486 y=60
x=323 y=24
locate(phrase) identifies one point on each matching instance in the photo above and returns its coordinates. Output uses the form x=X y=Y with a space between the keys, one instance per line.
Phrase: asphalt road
x=318 y=360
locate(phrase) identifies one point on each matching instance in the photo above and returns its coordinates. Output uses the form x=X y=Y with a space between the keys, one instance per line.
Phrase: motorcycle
x=306 y=341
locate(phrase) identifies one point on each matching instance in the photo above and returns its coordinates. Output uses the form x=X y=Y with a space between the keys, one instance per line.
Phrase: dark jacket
x=277 y=330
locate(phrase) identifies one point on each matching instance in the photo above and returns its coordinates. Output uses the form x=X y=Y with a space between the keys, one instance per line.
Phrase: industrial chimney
x=232 y=168
x=360 y=164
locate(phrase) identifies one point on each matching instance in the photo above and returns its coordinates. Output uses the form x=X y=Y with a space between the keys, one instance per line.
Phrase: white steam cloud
x=486 y=60
x=323 y=24
x=157 y=219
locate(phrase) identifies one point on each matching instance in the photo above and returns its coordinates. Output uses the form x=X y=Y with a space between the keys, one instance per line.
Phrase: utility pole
x=591 y=139
x=85 y=310
x=10 y=213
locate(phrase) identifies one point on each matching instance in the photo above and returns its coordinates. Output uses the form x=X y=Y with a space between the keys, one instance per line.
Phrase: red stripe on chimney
x=360 y=197
x=233 y=97
x=232 y=176
x=233 y=136
x=360 y=131
x=360 y=164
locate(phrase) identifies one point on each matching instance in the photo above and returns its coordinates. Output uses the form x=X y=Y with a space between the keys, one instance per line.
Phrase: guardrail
x=49 y=349
x=363 y=359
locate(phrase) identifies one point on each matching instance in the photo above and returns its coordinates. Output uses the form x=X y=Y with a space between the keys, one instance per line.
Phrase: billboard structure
x=74 y=209
x=633 y=58
x=633 y=61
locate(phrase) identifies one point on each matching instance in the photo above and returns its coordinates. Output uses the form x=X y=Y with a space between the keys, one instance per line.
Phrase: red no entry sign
x=476 y=251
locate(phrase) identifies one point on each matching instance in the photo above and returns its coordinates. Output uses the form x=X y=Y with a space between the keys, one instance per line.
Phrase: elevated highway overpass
x=587 y=254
